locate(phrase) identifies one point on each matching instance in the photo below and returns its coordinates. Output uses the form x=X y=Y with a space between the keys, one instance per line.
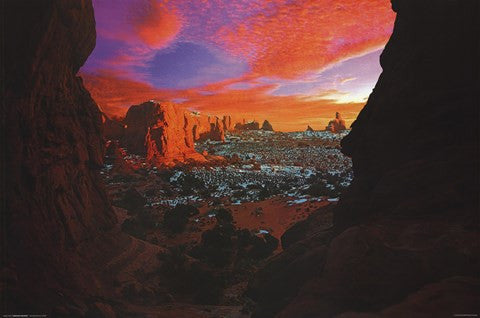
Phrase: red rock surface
x=227 y=123
x=162 y=132
x=337 y=124
x=207 y=127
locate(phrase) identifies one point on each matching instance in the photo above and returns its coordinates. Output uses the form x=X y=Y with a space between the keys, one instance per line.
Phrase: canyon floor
x=222 y=220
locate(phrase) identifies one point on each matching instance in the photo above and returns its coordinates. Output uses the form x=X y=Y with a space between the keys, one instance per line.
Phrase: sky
x=293 y=62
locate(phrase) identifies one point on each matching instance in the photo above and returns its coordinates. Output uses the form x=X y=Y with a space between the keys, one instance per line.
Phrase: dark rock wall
x=406 y=234
x=422 y=116
x=52 y=150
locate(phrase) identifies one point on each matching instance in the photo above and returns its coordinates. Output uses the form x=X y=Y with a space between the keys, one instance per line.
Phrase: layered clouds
x=291 y=61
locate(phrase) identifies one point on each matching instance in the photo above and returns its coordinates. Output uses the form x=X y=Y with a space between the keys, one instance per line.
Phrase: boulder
x=114 y=156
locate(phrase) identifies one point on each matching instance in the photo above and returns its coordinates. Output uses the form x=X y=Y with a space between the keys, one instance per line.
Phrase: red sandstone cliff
x=162 y=132
x=208 y=127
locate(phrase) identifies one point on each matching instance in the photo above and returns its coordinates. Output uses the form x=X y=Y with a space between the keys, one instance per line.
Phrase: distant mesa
x=336 y=125
x=309 y=129
x=254 y=125
x=267 y=126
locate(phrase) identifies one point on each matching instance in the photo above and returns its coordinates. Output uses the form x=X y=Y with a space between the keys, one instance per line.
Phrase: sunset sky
x=292 y=62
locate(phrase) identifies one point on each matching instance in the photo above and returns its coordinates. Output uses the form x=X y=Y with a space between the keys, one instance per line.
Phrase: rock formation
x=51 y=156
x=165 y=133
x=253 y=125
x=113 y=129
x=336 y=125
x=405 y=237
x=227 y=123
x=267 y=126
x=161 y=132
x=61 y=250
x=207 y=127
x=114 y=156
x=309 y=129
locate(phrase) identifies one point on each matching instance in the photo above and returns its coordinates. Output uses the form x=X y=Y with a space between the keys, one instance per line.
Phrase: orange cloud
x=286 y=113
x=157 y=26
x=296 y=38
x=114 y=95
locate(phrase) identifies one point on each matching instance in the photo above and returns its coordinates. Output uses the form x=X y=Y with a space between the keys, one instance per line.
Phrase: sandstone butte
x=336 y=125
x=165 y=132
x=162 y=132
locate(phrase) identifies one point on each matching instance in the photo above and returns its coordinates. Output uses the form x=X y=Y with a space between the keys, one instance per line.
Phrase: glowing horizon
x=292 y=62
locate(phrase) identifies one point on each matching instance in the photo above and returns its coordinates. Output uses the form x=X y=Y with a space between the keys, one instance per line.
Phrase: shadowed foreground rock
x=61 y=249
x=405 y=241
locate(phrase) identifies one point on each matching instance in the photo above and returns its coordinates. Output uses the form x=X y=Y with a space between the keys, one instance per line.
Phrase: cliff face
x=430 y=72
x=161 y=132
x=55 y=205
x=405 y=237
x=208 y=127
x=53 y=128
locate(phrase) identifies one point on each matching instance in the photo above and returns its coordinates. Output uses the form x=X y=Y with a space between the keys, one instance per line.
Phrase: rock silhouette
x=403 y=236
x=55 y=202
x=267 y=126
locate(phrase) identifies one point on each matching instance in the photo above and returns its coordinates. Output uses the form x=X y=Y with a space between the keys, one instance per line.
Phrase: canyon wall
x=56 y=213
x=405 y=240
